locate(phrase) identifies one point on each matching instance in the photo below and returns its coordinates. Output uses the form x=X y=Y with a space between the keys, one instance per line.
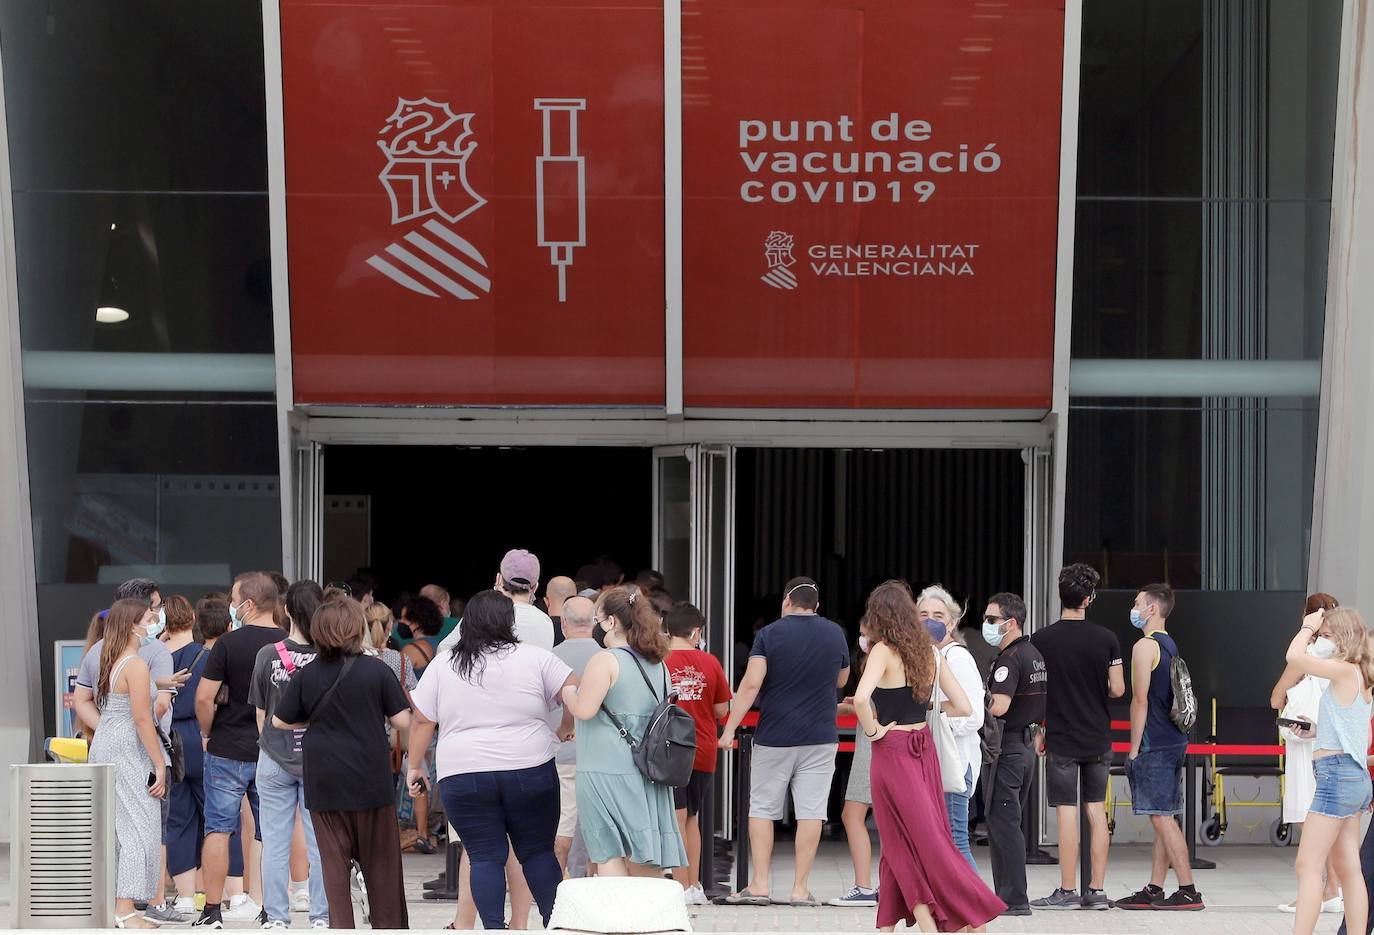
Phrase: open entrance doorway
x=726 y=525
x=412 y=515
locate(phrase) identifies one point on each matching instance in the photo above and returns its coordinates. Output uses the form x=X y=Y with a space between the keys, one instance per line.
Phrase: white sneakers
x=300 y=899
x=695 y=895
x=242 y=908
x=1333 y=905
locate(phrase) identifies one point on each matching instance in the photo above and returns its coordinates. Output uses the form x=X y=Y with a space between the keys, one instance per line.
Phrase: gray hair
x=937 y=592
x=578 y=613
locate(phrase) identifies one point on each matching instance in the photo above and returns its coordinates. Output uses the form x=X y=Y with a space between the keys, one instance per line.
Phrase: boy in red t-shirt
x=703 y=692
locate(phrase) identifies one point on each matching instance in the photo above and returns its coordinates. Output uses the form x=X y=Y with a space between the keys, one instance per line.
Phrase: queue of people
x=304 y=703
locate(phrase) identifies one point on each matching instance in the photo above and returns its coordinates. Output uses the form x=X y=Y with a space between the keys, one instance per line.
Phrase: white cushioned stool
x=620 y=906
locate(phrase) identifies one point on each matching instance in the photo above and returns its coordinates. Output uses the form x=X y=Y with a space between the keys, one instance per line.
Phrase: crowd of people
x=268 y=742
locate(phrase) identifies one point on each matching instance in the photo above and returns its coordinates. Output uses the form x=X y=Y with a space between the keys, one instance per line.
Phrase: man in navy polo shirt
x=796 y=668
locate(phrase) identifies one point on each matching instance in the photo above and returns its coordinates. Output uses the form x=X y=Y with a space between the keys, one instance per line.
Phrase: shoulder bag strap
x=426 y=648
x=935 y=685
x=285 y=658
x=642 y=674
x=615 y=721
x=204 y=651
x=328 y=696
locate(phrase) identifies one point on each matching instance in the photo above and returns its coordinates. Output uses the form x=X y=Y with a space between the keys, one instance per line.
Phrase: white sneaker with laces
x=695 y=895
x=242 y=909
x=319 y=924
x=273 y=926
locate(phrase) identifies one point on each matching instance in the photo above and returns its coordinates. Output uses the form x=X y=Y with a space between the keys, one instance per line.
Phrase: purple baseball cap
x=520 y=567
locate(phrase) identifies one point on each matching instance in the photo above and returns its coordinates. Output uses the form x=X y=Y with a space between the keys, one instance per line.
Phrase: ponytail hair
x=643 y=629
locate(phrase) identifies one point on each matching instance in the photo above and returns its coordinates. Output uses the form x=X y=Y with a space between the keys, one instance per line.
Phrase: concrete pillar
x=1342 y=555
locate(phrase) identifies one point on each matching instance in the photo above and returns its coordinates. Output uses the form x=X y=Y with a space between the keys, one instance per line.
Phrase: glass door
x=674 y=483
x=694 y=538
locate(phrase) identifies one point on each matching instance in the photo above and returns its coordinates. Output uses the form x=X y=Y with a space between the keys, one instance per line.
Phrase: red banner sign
x=871 y=194
x=475 y=202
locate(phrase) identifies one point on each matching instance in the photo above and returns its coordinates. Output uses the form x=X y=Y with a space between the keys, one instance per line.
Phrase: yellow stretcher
x=65 y=749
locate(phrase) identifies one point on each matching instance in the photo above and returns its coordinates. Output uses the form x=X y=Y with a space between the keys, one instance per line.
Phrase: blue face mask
x=155 y=629
x=993 y=634
x=234 y=621
x=937 y=630
x=1138 y=620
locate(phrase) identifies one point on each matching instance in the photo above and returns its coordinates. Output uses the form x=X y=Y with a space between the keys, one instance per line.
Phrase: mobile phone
x=152 y=780
x=1292 y=724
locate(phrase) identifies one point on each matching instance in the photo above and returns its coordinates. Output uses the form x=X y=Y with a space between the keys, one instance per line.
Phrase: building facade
x=956 y=292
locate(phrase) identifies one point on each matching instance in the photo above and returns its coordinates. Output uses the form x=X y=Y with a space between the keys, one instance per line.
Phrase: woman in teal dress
x=627 y=822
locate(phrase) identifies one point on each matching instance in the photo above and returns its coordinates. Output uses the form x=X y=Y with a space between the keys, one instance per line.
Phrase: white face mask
x=863 y=644
x=1321 y=648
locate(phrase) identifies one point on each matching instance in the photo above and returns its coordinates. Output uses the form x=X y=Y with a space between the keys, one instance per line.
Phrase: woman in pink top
x=489 y=698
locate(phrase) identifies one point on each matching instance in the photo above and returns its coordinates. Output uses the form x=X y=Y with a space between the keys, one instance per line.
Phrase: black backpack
x=669 y=746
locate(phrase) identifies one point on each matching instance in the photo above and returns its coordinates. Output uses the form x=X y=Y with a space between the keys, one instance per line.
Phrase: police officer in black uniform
x=1016 y=698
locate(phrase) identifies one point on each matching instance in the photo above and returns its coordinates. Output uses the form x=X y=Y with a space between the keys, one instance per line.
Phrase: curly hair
x=891 y=616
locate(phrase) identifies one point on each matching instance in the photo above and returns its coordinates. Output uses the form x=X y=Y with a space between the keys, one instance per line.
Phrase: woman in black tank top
x=923 y=880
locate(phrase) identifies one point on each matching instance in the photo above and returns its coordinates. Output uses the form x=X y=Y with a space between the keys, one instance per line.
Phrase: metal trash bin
x=62 y=850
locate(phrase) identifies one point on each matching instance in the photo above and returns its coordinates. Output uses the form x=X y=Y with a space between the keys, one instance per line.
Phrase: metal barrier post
x=1036 y=856
x=744 y=754
x=1190 y=804
x=1085 y=840
x=707 y=819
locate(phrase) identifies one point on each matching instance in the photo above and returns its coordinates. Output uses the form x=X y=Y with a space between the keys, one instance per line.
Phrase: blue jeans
x=279 y=795
x=226 y=783
x=956 y=805
x=488 y=808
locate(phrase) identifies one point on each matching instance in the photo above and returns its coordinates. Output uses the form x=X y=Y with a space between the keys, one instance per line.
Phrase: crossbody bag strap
x=285 y=658
x=196 y=661
x=935 y=685
x=615 y=721
x=328 y=696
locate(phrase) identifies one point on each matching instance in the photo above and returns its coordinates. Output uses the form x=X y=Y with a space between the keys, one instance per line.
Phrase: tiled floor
x=1241 y=895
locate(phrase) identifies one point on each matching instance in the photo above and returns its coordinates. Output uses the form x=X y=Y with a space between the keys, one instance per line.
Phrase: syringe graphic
x=561 y=185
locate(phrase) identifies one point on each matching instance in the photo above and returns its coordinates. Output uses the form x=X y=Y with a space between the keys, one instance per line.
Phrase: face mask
x=1138 y=620
x=701 y=645
x=863 y=644
x=1321 y=648
x=162 y=618
x=993 y=634
x=936 y=629
x=234 y=621
x=153 y=630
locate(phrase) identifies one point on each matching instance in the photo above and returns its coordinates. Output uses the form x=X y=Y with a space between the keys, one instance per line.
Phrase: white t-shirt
x=965 y=729
x=533 y=627
x=498 y=720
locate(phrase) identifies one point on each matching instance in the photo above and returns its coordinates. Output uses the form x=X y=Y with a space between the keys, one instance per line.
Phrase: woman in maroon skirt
x=922 y=878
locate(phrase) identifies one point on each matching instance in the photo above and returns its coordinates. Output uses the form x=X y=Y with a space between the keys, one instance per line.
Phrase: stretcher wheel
x=1212 y=832
x=1280 y=833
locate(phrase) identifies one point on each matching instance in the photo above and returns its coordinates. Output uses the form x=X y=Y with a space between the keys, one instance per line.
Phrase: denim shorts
x=1343 y=787
x=1156 y=779
x=226 y=783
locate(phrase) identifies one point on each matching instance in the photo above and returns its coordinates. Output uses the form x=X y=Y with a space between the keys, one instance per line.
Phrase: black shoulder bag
x=665 y=753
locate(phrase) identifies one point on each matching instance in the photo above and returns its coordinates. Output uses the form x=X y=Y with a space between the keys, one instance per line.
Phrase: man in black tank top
x=1154 y=767
x=1016 y=699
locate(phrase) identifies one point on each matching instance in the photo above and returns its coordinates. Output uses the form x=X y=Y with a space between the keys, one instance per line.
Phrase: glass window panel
x=1138 y=280
x=192 y=271
x=135 y=95
x=152 y=485
x=1140 y=108
x=1304 y=55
